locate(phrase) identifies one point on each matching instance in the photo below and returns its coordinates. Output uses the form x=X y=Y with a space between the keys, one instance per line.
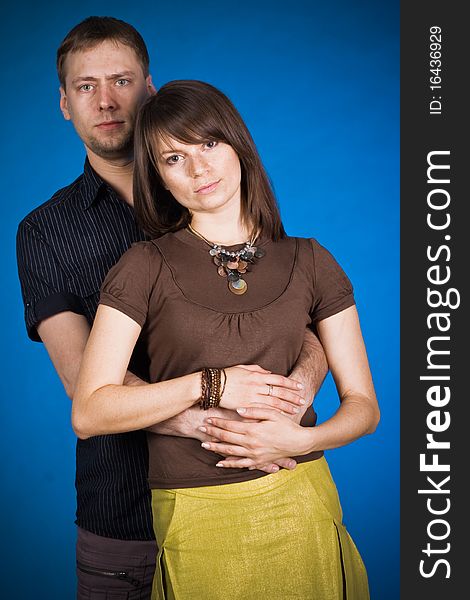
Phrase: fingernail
x=202 y=429
x=302 y=401
x=296 y=410
x=251 y=468
x=219 y=465
x=205 y=445
x=300 y=386
x=241 y=411
x=209 y=420
x=275 y=469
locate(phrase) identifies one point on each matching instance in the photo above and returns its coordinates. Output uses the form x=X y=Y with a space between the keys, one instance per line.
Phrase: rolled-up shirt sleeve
x=44 y=285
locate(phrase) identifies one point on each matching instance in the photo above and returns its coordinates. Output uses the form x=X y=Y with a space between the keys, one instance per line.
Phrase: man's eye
x=86 y=87
x=122 y=82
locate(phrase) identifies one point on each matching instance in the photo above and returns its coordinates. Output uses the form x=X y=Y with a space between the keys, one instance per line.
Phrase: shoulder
x=313 y=247
x=148 y=249
x=142 y=260
x=164 y=242
x=305 y=246
x=41 y=217
x=306 y=242
x=321 y=260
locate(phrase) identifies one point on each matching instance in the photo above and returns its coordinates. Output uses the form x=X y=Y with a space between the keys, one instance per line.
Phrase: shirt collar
x=91 y=186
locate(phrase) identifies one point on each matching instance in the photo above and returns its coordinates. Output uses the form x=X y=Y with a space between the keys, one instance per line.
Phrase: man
x=65 y=248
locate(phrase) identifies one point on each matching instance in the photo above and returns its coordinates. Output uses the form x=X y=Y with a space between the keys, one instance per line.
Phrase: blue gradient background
x=319 y=88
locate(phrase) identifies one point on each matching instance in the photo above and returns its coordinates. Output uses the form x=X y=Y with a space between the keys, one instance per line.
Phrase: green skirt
x=279 y=537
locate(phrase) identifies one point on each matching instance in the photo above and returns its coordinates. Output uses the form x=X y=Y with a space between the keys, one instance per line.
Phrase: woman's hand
x=264 y=436
x=251 y=385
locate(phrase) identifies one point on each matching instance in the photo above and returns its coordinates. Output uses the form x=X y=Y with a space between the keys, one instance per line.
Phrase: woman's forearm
x=120 y=408
x=356 y=416
x=265 y=436
x=101 y=406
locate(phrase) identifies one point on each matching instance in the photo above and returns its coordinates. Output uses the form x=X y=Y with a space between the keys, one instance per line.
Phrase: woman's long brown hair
x=194 y=112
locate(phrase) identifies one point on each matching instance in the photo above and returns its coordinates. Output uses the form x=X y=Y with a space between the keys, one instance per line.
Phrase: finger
x=223 y=435
x=239 y=463
x=236 y=462
x=273 y=391
x=225 y=449
x=253 y=368
x=226 y=424
x=287 y=395
x=286 y=382
x=270 y=468
x=286 y=463
x=279 y=404
x=259 y=413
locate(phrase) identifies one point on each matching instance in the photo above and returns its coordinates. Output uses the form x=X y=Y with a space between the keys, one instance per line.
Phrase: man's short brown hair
x=95 y=30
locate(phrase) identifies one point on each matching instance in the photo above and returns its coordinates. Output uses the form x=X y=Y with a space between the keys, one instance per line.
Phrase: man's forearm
x=311 y=367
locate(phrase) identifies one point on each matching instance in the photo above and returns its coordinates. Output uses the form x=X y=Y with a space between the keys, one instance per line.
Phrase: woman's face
x=205 y=177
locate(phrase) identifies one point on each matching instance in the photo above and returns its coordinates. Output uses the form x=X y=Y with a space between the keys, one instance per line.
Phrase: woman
x=221 y=284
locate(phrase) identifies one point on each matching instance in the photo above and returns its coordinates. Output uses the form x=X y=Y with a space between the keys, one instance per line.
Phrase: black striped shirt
x=65 y=248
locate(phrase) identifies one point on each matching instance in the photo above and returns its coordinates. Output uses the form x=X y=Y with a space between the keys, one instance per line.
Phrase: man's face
x=104 y=88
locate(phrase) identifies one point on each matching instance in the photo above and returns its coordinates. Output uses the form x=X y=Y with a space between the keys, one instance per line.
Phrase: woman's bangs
x=188 y=130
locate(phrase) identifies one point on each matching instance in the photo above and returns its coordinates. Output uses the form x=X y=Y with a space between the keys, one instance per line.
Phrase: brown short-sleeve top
x=190 y=320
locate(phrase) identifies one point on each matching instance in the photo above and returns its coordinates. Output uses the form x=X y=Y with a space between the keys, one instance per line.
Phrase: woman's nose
x=199 y=166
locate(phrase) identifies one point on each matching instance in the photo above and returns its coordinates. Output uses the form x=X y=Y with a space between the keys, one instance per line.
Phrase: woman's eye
x=211 y=144
x=172 y=160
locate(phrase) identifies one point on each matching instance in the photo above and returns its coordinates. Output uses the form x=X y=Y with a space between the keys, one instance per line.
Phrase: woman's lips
x=207 y=189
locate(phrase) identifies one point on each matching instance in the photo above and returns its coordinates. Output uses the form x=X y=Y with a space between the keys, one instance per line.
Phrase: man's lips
x=208 y=188
x=108 y=125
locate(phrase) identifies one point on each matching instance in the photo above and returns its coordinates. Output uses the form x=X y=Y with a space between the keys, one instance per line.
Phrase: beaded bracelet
x=211 y=390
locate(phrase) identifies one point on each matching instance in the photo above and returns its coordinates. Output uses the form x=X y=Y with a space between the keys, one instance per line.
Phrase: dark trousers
x=109 y=569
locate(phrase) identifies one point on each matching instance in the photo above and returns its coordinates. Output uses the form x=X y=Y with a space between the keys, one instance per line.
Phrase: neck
x=225 y=228
x=116 y=172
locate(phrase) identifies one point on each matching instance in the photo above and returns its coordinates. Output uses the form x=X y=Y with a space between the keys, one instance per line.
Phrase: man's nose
x=106 y=100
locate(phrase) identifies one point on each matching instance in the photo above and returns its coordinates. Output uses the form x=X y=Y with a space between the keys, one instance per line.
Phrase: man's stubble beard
x=112 y=148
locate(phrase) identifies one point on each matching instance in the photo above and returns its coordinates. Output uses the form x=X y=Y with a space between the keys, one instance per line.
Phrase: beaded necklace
x=233 y=265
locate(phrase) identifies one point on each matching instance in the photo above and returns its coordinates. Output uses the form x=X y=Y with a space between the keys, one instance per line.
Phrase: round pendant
x=242 y=264
x=259 y=253
x=232 y=264
x=238 y=287
x=222 y=272
x=216 y=261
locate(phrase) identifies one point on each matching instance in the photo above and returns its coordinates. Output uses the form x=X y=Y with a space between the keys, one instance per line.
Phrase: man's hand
x=189 y=423
x=264 y=437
